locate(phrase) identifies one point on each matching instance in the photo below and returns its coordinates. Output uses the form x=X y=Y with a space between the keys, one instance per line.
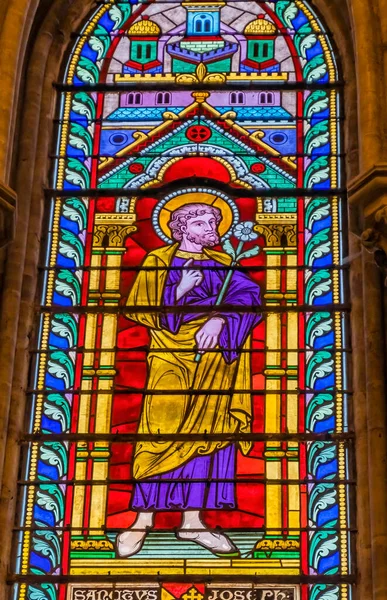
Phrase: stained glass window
x=188 y=434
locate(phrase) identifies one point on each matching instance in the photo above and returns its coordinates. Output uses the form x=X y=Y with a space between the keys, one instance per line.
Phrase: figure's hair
x=181 y=215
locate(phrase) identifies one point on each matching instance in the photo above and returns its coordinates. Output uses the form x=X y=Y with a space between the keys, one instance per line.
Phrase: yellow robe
x=185 y=414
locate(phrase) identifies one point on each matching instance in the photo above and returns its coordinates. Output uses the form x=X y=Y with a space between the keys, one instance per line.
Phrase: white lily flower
x=245 y=231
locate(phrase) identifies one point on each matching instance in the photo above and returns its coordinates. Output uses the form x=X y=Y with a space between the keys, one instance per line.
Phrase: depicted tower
x=260 y=36
x=144 y=36
x=203 y=42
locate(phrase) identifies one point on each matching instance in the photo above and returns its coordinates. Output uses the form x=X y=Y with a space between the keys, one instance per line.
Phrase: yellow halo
x=229 y=214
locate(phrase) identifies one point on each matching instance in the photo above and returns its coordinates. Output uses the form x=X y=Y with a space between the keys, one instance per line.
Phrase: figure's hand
x=189 y=279
x=208 y=336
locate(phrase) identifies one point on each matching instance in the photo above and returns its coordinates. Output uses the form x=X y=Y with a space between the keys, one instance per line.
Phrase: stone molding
x=8 y=199
x=368 y=193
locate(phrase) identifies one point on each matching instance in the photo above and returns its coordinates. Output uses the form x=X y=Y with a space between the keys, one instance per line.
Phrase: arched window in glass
x=163 y=98
x=266 y=98
x=202 y=24
x=191 y=356
x=237 y=98
x=134 y=98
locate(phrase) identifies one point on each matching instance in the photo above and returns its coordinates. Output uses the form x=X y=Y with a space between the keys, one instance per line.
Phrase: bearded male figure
x=192 y=398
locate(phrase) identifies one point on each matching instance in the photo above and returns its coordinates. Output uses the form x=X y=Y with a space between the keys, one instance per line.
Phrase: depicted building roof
x=260 y=26
x=145 y=27
x=142 y=113
x=261 y=113
x=244 y=113
x=172 y=133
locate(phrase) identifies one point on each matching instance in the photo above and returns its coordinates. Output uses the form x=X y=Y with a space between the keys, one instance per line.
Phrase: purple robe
x=202 y=491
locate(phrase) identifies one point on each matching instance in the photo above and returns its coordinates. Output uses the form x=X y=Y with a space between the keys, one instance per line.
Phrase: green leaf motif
x=323 y=543
x=77 y=173
x=75 y=210
x=229 y=249
x=324 y=592
x=320 y=453
x=317 y=102
x=100 y=41
x=119 y=14
x=81 y=139
x=319 y=284
x=56 y=407
x=46 y=543
x=317 y=136
x=317 y=172
x=315 y=69
x=320 y=408
x=304 y=39
x=87 y=71
x=65 y=326
x=254 y=251
x=44 y=591
x=55 y=454
x=67 y=285
x=320 y=365
x=50 y=497
x=71 y=247
x=287 y=11
x=318 y=246
x=308 y=42
x=317 y=209
x=321 y=497
x=61 y=366
x=83 y=104
x=318 y=324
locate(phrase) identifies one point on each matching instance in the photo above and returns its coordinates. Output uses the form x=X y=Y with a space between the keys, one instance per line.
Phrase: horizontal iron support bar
x=332 y=438
x=254 y=351
x=122 y=159
x=130 y=390
x=225 y=308
x=188 y=578
x=292 y=120
x=224 y=268
x=158 y=84
x=196 y=182
x=131 y=481
x=264 y=530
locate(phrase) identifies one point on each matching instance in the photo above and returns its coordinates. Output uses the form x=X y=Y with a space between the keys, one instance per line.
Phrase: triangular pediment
x=198 y=129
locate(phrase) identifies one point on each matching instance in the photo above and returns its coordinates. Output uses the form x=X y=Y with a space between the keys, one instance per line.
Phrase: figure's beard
x=205 y=240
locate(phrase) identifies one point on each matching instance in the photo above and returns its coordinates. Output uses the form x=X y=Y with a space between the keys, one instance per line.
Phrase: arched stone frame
x=24 y=168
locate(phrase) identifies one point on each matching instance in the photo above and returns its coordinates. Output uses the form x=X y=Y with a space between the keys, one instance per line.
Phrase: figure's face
x=202 y=230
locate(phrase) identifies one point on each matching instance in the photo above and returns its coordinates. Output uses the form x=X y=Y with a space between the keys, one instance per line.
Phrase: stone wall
x=34 y=36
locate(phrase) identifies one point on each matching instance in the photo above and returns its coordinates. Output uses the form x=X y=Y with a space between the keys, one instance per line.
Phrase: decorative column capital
x=111 y=229
x=8 y=199
x=368 y=192
x=279 y=230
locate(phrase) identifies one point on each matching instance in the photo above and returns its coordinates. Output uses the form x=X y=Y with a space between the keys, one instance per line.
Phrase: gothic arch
x=23 y=167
